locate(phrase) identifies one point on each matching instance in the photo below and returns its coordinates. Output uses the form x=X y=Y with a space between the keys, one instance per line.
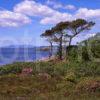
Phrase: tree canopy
x=64 y=32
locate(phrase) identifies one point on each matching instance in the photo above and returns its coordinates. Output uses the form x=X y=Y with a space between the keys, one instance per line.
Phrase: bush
x=45 y=67
x=88 y=69
x=89 y=84
x=15 y=67
x=60 y=69
x=71 y=77
x=72 y=52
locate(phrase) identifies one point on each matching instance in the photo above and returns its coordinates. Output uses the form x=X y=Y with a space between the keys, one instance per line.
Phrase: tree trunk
x=68 y=47
x=70 y=42
x=60 y=49
x=51 y=49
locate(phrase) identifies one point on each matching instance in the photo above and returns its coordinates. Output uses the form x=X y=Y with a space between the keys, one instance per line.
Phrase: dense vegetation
x=74 y=78
x=57 y=81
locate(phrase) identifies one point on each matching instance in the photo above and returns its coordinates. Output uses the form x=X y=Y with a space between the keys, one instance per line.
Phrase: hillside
x=50 y=81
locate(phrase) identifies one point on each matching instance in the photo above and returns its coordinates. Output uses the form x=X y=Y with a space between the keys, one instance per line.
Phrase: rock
x=27 y=71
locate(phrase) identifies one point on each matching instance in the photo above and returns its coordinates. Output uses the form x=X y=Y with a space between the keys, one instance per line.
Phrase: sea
x=13 y=54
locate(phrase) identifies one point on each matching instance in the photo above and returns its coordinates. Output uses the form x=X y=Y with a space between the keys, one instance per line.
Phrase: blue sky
x=22 y=21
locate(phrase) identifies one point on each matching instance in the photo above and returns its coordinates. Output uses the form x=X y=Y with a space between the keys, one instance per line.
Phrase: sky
x=22 y=21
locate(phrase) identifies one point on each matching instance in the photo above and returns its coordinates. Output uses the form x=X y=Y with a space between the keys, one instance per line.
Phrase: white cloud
x=70 y=7
x=32 y=8
x=57 y=5
x=12 y=19
x=58 y=17
x=46 y=14
x=54 y=4
x=88 y=13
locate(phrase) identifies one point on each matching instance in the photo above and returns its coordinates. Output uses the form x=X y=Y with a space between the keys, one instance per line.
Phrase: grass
x=68 y=81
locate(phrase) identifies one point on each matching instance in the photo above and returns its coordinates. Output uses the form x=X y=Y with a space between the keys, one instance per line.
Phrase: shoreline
x=43 y=59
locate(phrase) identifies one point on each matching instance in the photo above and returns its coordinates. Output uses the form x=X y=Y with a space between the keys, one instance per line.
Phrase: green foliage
x=16 y=67
x=88 y=69
x=10 y=69
x=71 y=77
x=60 y=69
x=45 y=67
x=95 y=48
x=66 y=80
x=89 y=84
x=85 y=54
x=72 y=53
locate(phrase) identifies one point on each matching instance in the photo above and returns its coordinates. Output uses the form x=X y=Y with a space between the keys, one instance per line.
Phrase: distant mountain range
x=22 y=46
x=28 y=46
x=39 y=47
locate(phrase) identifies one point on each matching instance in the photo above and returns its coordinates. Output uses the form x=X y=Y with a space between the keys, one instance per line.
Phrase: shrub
x=71 y=77
x=89 y=84
x=60 y=69
x=15 y=67
x=88 y=69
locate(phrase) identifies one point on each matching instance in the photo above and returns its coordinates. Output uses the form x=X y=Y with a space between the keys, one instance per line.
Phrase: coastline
x=46 y=59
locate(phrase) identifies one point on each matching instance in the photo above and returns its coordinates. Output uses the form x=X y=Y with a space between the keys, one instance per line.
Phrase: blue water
x=10 y=55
